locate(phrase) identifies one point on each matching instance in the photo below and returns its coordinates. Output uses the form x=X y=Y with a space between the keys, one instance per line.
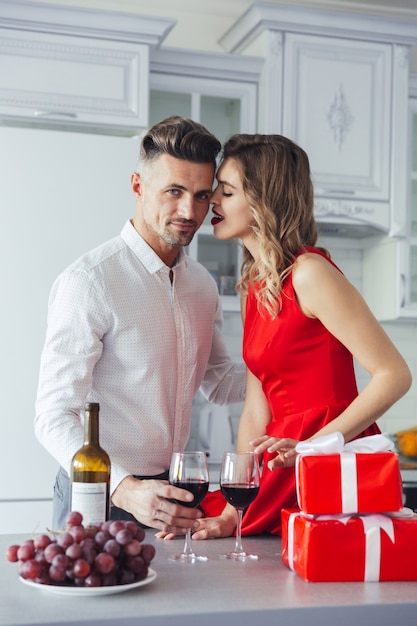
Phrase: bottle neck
x=91 y=428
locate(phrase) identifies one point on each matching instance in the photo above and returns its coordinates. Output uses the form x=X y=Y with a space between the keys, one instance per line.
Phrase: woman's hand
x=284 y=450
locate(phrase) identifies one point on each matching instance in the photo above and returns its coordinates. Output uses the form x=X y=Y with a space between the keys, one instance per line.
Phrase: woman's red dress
x=308 y=378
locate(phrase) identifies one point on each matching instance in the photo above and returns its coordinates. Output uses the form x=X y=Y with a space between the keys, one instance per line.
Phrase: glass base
x=188 y=558
x=239 y=556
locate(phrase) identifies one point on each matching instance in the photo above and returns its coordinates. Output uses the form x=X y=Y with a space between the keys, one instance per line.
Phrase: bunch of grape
x=111 y=553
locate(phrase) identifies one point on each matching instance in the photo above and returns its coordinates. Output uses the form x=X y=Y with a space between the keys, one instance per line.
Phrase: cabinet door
x=74 y=82
x=337 y=107
x=390 y=265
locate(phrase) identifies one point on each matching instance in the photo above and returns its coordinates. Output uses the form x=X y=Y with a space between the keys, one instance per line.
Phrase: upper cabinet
x=76 y=68
x=337 y=84
x=395 y=258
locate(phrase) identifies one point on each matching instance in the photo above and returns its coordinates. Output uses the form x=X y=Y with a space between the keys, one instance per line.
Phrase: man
x=135 y=325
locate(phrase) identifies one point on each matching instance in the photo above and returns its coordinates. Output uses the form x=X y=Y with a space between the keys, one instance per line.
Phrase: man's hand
x=151 y=503
x=210 y=527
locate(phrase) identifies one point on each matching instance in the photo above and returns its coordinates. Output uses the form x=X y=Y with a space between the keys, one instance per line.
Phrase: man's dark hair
x=181 y=138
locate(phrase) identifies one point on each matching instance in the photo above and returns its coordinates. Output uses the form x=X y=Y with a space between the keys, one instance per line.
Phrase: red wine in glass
x=239 y=496
x=239 y=484
x=189 y=470
x=198 y=488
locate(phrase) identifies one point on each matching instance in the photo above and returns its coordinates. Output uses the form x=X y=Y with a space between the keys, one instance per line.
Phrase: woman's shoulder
x=312 y=263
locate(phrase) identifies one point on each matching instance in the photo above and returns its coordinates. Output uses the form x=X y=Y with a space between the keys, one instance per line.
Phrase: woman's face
x=232 y=216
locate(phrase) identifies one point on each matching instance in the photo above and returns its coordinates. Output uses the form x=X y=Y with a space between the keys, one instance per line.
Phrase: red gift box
x=349 y=483
x=373 y=547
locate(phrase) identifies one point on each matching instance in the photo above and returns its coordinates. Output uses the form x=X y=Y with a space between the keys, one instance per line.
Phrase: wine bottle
x=90 y=473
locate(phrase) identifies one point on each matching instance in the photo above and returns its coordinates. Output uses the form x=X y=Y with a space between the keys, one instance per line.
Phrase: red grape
x=81 y=568
x=140 y=534
x=133 y=548
x=74 y=518
x=31 y=569
x=65 y=539
x=42 y=541
x=11 y=553
x=25 y=552
x=126 y=577
x=124 y=536
x=135 y=564
x=109 y=579
x=101 y=537
x=57 y=574
x=78 y=532
x=115 y=526
x=74 y=551
x=112 y=547
x=61 y=560
x=148 y=552
x=93 y=580
x=52 y=550
x=104 y=562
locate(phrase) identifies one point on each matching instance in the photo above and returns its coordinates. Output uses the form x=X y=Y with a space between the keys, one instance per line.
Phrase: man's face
x=172 y=201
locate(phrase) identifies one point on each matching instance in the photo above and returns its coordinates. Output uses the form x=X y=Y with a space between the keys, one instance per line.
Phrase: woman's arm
x=325 y=294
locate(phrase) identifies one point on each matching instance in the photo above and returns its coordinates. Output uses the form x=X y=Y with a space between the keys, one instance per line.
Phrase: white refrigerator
x=61 y=194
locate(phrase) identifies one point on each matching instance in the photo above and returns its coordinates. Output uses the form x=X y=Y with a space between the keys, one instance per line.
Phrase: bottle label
x=90 y=499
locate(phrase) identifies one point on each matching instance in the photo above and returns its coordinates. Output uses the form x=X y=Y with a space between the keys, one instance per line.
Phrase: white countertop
x=215 y=592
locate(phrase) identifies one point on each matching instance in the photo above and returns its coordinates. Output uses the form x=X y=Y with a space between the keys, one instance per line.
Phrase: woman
x=303 y=325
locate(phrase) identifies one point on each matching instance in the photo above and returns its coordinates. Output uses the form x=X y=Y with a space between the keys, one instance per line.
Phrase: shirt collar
x=144 y=252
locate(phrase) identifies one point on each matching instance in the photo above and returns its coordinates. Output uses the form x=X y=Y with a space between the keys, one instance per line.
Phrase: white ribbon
x=373 y=524
x=334 y=444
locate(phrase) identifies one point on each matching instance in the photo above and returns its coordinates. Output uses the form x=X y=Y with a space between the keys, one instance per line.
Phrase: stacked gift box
x=351 y=524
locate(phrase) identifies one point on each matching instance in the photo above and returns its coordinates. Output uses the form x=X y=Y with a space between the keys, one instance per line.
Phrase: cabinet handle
x=338 y=192
x=403 y=291
x=55 y=114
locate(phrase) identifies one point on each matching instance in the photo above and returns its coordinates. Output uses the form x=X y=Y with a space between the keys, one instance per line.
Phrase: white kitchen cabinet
x=74 y=68
x=337 y=84
x=337 y=106
x=389 y=278
x=390 y=265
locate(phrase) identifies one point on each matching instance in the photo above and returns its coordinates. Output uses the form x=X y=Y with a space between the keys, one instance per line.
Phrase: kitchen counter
x=215 y=592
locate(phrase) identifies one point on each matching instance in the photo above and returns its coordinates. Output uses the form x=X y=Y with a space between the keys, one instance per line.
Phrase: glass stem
x=238 y=542
x=187 y=546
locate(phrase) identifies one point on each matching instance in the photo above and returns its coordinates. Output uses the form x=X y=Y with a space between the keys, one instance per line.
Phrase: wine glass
x=239 y=484
x=189 y=470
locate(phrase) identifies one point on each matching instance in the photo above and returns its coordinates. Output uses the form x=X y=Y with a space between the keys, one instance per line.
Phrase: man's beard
x=179 y=239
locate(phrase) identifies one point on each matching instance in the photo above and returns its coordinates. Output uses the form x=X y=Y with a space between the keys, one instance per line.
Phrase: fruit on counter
x=110 y=553
x=406 y=442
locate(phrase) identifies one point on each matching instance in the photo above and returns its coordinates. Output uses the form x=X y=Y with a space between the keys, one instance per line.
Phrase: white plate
x=90 y=591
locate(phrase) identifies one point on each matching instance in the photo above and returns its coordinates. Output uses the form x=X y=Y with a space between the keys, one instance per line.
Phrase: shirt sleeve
x=224 y=381
x=78 y=317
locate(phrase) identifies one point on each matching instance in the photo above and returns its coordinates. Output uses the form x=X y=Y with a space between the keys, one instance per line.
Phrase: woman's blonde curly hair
x=276 y=179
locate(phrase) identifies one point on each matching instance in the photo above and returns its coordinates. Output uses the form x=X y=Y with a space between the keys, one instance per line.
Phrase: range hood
x=341 y=217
